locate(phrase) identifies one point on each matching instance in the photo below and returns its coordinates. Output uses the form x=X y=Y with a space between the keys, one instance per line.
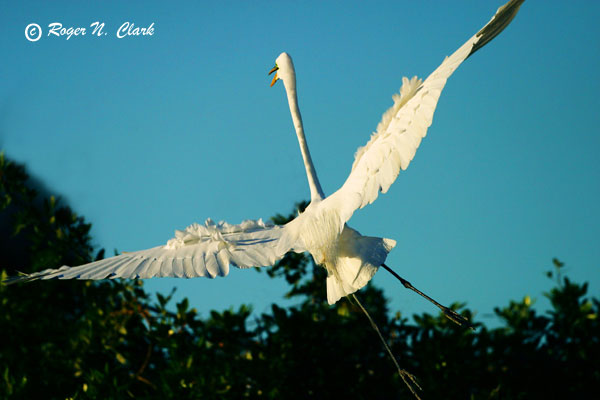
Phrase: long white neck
x=316 y=193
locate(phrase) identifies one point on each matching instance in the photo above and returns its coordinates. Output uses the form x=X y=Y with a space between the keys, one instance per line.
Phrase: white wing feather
x=199 y=250
x=398 y=136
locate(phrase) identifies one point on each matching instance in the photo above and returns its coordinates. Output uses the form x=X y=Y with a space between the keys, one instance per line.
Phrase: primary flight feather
x=350 y=258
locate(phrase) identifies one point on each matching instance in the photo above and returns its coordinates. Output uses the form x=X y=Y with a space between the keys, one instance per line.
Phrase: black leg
x=449 y=313
x=409 y=379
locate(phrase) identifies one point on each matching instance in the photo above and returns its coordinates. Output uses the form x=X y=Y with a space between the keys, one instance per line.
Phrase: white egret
x=351 y=259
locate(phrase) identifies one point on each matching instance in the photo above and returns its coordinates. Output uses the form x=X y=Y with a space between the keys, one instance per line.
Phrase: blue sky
x=145 y=135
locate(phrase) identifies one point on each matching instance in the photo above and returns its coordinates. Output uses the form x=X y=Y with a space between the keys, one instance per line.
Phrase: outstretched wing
x=199 y=250
x=394 y=144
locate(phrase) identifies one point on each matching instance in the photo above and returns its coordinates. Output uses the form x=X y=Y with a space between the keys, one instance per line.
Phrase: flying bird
x=351 y=259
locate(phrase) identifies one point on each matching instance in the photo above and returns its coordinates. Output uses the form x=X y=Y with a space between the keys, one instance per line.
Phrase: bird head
x=284 y=70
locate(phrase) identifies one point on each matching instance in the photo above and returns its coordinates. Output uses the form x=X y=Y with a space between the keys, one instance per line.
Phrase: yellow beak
x=275 y=78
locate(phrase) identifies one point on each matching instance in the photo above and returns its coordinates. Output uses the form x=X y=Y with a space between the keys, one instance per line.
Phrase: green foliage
x=112 y=340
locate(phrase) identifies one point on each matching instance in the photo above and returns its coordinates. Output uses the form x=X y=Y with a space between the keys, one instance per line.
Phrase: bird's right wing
x=199 y=250
x=402 y=127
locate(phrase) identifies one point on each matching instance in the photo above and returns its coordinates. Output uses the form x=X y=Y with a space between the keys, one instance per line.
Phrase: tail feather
x=351 y=276
x=358 y=261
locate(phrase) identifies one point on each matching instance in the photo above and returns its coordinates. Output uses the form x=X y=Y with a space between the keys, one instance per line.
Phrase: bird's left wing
x=399 y=134
x=199 y=250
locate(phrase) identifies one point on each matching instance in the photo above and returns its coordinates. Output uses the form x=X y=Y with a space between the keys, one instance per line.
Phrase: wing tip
x=21 y=277
x=499 y=22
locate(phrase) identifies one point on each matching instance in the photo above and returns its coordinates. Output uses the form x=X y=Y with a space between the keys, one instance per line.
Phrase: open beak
x=275 y=78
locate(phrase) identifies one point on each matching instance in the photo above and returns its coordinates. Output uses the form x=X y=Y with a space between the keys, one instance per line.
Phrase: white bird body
x=351 y=259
